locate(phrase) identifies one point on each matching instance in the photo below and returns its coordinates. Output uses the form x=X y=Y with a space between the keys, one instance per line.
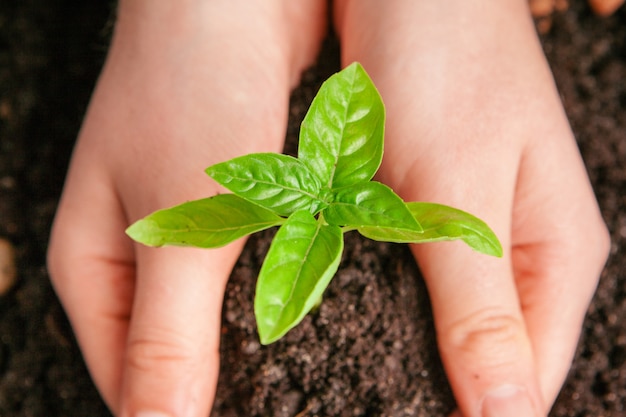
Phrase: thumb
x=172 y=356
x=481 y=332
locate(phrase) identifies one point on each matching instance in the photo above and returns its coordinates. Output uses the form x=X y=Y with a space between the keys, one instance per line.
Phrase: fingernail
x=508 y=401
x=151 y=414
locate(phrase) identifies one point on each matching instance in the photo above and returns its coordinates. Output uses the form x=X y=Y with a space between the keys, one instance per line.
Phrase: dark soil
x=370 y=349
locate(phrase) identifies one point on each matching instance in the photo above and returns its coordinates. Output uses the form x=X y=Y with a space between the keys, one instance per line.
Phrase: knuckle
x=160 y=351
x=489 y=337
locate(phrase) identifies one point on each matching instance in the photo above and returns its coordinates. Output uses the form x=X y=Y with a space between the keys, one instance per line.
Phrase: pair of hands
x=474 y=121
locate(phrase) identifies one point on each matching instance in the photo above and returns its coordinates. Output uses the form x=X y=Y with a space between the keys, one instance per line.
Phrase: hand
x=474 y=121
x=183 y=87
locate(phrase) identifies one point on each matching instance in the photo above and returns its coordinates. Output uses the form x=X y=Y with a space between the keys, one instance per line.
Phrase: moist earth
x=370 y=348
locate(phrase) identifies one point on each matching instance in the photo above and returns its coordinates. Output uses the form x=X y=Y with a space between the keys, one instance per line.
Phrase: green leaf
x=441 y=222
x=206 y=223
x=301 y=261
x=341 y=137
x=369 y=204
x=277 y=182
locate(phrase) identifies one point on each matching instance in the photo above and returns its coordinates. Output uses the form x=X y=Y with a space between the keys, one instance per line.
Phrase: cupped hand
x=474 y=121
x=183 y=87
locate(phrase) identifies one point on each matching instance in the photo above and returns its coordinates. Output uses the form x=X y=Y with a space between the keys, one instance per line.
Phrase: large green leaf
x=341 y=137
x=207 y=223
x=441 y=223
x=369 y=204
x=278 y=182
x=301 y=261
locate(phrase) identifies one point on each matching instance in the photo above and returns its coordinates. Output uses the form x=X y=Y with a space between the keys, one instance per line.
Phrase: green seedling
x=315 y=198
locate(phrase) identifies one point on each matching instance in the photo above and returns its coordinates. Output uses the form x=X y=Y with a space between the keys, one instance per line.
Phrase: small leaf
x=441 y=223
x=369 y=204
x=341 y=137
x=301 y=261
x=277 y=182
x=206 y=223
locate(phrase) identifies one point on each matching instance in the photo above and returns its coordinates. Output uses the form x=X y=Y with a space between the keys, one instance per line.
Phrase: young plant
x=315 y=198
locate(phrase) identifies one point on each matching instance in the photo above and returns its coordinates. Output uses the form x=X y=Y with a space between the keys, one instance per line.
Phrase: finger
x=554 y=300
x=171 y=362
x=481 y=333
x=92 y=270
x=560 y=245
x=481 y=329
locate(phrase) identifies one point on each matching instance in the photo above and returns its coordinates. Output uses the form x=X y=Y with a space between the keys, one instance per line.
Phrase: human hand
x=183 y=87
x=474 y=121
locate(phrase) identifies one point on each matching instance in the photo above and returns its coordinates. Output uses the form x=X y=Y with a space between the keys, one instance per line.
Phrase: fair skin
x=467 y=90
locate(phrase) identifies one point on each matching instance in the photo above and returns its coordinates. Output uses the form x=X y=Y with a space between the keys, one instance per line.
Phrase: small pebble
x=8 y=272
